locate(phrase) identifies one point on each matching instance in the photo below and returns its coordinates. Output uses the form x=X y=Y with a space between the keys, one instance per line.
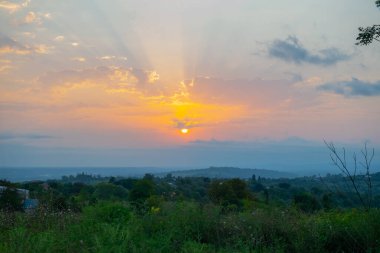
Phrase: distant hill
x=47 y=173
x=229 y=172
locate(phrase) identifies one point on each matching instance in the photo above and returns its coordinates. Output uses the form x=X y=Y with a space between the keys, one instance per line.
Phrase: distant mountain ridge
x=229 y=172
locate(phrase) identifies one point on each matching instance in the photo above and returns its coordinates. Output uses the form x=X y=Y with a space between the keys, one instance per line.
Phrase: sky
x=98 y=79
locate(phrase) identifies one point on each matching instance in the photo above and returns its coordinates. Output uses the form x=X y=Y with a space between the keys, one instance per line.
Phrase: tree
x=229 y=192
x=127 y=183
x=10 y=200
x=141 y=190
x=356 y=181
x=110 y=191
x=368 y=34
x=306 y=202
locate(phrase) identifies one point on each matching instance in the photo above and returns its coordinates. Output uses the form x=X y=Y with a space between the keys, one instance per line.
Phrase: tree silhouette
x=339 y=160
x=229 y=192
x=10 y=200
x=368 y=34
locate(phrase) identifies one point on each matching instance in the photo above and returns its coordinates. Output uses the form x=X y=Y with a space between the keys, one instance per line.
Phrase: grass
x=189 y=227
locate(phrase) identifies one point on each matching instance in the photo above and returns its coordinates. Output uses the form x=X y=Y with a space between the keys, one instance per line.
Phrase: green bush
x=107 y=191
x=10 y=200
x=105 y=212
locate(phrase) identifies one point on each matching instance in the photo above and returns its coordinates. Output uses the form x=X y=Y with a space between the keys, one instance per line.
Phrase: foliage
x=176 y=214
x=141 y=190
x=10 y=200
x=191 y=227
x=229 y=192
x=370 y=33
x=107 y=212
x=110 y=191
x=306 y=202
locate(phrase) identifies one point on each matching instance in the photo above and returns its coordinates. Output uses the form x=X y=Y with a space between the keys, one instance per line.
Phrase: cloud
x=140 y=82
x=30 y=17
x=90 y=89
x=59 y=38
x=291 y=50
x=290 y=141
x=42 y=49
x=29 y=136
x=353 y=88
x=12 y=7
x=111 y=57
x=107 y=57
x=29 y=35
x=4 y=68
x=79 y=59
x=10 y=46
x=185 y=123
x=36 y=18
x=253 y=92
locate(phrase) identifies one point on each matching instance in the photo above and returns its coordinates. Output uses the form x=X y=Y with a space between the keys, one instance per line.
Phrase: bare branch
x=339 y=160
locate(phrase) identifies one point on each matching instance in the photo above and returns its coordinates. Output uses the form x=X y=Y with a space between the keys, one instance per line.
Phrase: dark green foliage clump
x=229 y=192
x=306 y=202
x=110 y=191
x=10 y=200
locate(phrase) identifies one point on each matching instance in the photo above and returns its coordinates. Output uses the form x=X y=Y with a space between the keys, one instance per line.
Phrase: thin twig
x=341 y=163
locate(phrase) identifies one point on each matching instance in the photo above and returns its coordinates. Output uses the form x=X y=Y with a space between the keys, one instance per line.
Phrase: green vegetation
x=370 y=33
x=175 y=214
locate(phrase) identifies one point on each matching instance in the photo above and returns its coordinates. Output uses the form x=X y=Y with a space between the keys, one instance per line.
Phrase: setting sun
x=184 y=130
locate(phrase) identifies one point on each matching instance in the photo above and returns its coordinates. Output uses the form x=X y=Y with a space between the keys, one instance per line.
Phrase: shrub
x=107 y=212
x=10 y=200
x=107 y=191
x=306 y=202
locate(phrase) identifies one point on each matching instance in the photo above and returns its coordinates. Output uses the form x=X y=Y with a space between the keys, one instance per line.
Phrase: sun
x=184 y=130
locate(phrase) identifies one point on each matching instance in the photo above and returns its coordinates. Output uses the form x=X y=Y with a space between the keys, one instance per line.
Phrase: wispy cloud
x=33 y=17
x=79 y=59
x=185 y=123
x=291 y=50
x=29 y=136
x=30 y=17
x=111 y=57
x=10 y=46
x=59 y=38
x=12 y=7
x=353 y=88
x=42 y=49
x=258 y=93
x=4 y=68
x=142 y=83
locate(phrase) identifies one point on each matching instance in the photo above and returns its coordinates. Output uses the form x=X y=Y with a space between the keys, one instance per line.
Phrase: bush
x=306 y=202
x=229 y=192
x=10 y=200
x=141 y=190
x=116 y=213
x=107 y=191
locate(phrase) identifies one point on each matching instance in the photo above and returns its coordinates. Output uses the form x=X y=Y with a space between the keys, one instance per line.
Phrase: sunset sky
x=88 y=77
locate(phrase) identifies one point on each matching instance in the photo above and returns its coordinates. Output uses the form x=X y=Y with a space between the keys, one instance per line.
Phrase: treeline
x=86 y=213
x=308 y=194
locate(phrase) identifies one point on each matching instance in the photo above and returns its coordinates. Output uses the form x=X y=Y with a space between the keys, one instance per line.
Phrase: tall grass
x=189 y=227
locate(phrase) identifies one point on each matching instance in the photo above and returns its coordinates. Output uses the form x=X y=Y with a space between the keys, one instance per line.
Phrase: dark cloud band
x=291 y=50
x=353 y=88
